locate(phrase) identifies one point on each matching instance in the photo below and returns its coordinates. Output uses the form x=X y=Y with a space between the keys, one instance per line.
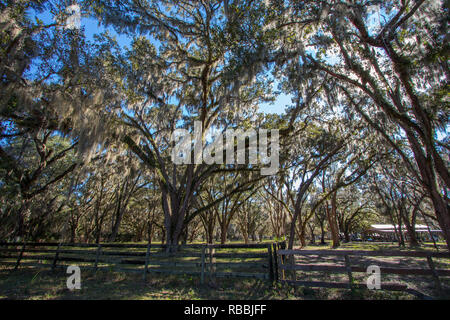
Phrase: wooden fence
x=270 y=261
x=288 y=267
x=207 y=261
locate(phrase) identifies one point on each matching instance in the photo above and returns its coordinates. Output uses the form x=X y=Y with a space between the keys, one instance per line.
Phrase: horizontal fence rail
x=206 y=261
x=288 y=266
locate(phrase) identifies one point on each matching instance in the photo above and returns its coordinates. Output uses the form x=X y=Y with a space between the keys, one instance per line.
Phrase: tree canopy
x=87 y=122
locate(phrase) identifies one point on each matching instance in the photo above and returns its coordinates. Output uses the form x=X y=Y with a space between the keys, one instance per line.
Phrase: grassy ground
x=375 y=246
x=31 y=283
x=422 y=284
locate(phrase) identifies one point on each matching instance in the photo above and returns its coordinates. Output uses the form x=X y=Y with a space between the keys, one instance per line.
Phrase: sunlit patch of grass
x=106 y=285
x=372 y=246
x=113 y=285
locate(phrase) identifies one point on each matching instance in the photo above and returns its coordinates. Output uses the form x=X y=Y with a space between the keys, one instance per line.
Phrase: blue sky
x=91 y=27
x=278 y=106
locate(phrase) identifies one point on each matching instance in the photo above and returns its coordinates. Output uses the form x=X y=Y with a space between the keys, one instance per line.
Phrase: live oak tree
x=388 y=58
x=355 y=210
x=313 y=151
x=192 y=74
x=50 y=89
x=86 y=126
x=250 y=219
x=352 y=164
x=223 y=202
x=275 y=203
x=402 y=198
x=31 y=165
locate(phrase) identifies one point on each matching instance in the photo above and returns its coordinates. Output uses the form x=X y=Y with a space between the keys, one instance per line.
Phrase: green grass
x=374 y=246
x=424 y=284
x=32 y=284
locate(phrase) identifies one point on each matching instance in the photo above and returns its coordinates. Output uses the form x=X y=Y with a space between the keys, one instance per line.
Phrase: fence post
x=281 y=262
x=19 y=258
x=212 y=261
x=202 y=276
x=269 y=252
x=56 y=257
x=348 y=267
x=99 y=249
x=147 y=256
x=292 y=271
x=437 y=281
x=275 y=261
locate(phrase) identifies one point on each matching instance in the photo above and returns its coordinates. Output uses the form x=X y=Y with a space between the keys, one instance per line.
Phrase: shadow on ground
x=26 y=284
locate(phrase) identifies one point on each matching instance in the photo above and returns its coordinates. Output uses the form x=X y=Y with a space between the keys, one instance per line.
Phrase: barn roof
x=390 y=228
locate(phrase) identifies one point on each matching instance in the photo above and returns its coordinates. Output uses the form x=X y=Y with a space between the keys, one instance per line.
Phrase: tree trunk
x=302 y=239
x=149 y=232
x=245 y=235
x=185 y=235
x=115 y=228
x=163 y=236
x=410 y=229
x=174 y=214
x=331 y=215
x=223 y=233
x=346 y=235
x=20 y=228
x=210 y=236
x=428 y=175
x=313 y=237
x=442 y=211
x=322 y=231
x=322 y=235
